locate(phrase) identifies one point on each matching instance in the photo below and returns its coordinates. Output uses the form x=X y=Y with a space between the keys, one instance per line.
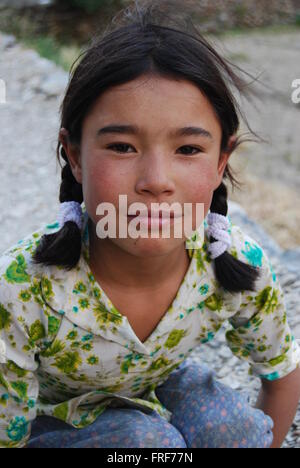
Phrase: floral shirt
x=66 y=351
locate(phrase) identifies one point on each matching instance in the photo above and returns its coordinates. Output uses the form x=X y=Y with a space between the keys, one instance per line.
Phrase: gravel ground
x=30 y=176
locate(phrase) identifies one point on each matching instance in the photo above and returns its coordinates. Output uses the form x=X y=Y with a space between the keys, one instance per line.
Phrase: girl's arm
x=279 y=400
x=261 y=335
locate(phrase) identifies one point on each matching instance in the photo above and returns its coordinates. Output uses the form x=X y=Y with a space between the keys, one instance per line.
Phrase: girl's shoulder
x=242 y=246
x=16 y=262
x=245 y=248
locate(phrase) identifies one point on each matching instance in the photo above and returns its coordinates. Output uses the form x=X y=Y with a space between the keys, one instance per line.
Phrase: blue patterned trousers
x=205 y=414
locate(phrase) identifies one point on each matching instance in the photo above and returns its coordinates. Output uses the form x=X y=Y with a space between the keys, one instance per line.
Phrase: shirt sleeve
x=19 y=335
x=259 y=332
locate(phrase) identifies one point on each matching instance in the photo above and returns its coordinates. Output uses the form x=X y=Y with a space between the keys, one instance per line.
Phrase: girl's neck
x=117 y=268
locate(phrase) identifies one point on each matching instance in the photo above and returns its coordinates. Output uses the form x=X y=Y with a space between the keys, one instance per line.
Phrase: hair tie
x=218 y=228
x=70 y=211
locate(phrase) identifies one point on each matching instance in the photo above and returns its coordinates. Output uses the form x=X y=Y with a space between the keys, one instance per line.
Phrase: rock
x=288 y=279
x=292 y=259
x=55 y=84
x=6 y=41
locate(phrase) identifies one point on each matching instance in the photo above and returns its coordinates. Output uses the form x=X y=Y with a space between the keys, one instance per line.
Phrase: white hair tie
x=218 y=226
x=70 y=211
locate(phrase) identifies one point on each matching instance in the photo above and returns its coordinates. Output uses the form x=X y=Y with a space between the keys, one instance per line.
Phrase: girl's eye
x=121 y=148
x=198 y=150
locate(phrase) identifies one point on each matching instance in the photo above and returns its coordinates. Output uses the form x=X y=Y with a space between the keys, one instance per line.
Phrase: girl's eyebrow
x=134 y=130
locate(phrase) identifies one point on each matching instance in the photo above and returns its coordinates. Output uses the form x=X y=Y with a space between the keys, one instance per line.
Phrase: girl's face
x=150 y=163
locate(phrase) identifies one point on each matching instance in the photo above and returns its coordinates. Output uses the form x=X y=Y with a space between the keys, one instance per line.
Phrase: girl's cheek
x=201 y=183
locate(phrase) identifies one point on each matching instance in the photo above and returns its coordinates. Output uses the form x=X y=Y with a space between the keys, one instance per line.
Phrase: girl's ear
x=73 y=154
x=224 y=157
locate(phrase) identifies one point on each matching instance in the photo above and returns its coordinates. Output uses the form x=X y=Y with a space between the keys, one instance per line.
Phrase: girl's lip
x=152 y=222
x=160 y=215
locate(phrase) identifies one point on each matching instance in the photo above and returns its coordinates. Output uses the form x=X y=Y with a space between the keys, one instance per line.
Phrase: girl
x=96 y=332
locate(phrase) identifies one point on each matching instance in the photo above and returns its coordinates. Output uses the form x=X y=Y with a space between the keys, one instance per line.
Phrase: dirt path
x=271 y=172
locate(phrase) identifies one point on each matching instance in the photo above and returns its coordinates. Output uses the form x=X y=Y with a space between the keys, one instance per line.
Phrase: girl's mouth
x=155 y=219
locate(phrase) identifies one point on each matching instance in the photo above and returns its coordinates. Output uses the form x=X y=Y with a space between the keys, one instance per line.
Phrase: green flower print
x=3 y=382
x=113 y=388
x=16 y=369
x=83 y=303
x=214 y=302
x=52 y=226
x=253 y=253
x=91 y=277
x=267 y=300
x=204 y=289
x=97 y=293
x=274 y=277
x=271 y=377
x=35 y=289
x=37 y=331
x=5 y=318
x=174 y=338
x=104 y=316
x=92 y=360
x=79 y=287
x=55 y=348
x=3 y=399
x=53 y=325
x=160 y=363
x=20 y=388
x=87 y=347
x=61 y=411
x=68 y=362
x=200 y=261
x=17 y=428
x=262 y=348
x=25 y=295
x=127 y=364
x=209 y=337
x=87 y=337
x=47 y=288
x=16 y=272
x=233 y=337
x=72 y=335
x=277 y=360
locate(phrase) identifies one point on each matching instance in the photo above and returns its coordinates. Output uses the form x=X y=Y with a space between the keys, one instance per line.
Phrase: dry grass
x=273 y=205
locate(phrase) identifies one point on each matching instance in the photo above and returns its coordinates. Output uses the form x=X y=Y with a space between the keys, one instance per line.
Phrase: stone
x=55 y=84
x=6 y=41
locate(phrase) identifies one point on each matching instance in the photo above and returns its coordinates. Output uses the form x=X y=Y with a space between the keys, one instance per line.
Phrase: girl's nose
x=155 y=175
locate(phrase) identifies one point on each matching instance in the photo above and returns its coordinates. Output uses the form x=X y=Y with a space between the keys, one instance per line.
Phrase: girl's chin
x=149 y=247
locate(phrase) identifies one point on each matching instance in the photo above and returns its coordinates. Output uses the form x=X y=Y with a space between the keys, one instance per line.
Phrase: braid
x=232 y=274
x=70 y=189
x=64 y=246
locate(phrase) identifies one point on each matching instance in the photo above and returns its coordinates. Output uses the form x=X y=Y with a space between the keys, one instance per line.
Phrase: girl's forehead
x=157 y=86
x=169 y=102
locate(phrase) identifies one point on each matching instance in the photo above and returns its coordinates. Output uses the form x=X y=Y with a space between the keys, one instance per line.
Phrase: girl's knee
x=151 y=431
x=158 y=433
x=247 y=428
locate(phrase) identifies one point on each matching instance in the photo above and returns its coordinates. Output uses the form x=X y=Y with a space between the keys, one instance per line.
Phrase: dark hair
x=150 y=38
